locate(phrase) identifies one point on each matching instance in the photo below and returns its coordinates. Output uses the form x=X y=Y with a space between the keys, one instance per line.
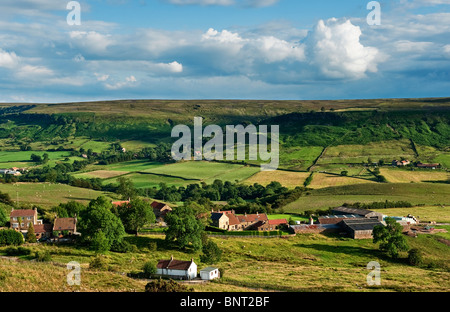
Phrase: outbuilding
x=209 y=273
x=360 y=228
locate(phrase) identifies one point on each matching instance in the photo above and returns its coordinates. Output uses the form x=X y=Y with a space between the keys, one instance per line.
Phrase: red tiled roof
x=233 y=219
x=65 y=224
x=23 y=213
x=119 y=203
x=277 y=221
x=43 y=228
x=173 y=264
x=253 y=217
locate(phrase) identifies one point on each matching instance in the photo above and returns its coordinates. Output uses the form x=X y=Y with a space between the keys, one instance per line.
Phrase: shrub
x=161 y=285
x=211 y=253
x=43 y=256
x=98 y=262
x=149 y=269
x=17 y=251
x=122 y=246
x=221 y=272
x=10 y=237
x=415 y=257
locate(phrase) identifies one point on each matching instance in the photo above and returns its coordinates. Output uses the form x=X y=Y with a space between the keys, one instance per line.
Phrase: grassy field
x=388 y=151
x=288 y=179
x=322 y=180
x=398 y=175
x=206 y=171
x=309 y=262
x=299 y=158
x=48 y=195
x=415 y=193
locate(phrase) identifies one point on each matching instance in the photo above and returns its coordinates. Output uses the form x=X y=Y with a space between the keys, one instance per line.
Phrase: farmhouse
x=160 y=210
x=43 y=230
x=356 y=211
x=66 y=224
x=400 y=163
x=176 y=269
x=220 y=220
x=360 y=228
x=25 y=216
x=247 y=221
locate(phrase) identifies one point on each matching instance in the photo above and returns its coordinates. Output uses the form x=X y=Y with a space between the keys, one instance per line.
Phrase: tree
x=415 y=257
x=99 y=227
x=149 y=268
x=4 y=219
x=211 y=253
x=184 y=228
x=161 y=285
x=344 y=173
x=10 y=237
x=390 y=237
x=126 y=188
x=31 y=236
x=136 y=214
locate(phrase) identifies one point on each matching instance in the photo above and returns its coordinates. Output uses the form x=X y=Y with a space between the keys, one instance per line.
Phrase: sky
x=223 y=49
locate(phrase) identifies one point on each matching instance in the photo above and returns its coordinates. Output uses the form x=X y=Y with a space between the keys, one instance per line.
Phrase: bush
x=149 y=269
x=211 y=253
x=415 y=257
x=98 y=262
x=221 y=272
x=43 y=256
x=10 y=237
x=161 y=285
x=122 y=246
x=17 y=251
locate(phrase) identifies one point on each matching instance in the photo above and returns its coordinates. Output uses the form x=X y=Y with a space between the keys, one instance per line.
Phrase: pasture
x=48 y=195
x=415 y=193
x=289 y=179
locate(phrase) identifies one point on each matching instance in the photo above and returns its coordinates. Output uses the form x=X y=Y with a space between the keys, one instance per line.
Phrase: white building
x=209 y=273
x=177 y=269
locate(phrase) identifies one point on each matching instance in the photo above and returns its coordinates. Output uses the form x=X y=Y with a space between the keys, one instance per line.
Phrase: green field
x=415 y=193
x=206 y=171
x=47 y=195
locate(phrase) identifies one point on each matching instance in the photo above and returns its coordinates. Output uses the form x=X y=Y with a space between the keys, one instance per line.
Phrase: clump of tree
x=379 y=205
x=135 y=214
x=415 y=257
x=4 y=219
x=99 y=226
x=211 y=253
x=184 y=228
x=390 y=237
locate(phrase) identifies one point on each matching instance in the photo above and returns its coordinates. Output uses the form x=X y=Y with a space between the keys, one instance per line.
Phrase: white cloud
x=33 y=72
x=101 y=77
x=8 y=59
x=92 y=41
x=335 y=49
x=173 y=67
x=129 y=82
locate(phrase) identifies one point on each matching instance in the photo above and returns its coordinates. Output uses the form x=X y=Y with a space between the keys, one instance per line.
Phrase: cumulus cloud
x=91 y=41
x=129 y=82
x=334 y=47
x=8 y=59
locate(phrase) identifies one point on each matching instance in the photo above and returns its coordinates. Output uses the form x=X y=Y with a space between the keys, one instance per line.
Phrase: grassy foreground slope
x=303 y=263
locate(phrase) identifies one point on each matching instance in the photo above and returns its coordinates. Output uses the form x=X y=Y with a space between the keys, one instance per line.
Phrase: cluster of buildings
x=14 y=171
x=402 y=163
x=228 y=220
x=159 y=209
x=21 y=219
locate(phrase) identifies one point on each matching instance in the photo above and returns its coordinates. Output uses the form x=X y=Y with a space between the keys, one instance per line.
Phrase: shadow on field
x=352 y=250
x=145 y=242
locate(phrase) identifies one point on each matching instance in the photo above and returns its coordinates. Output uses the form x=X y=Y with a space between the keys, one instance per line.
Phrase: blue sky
x=226 y=49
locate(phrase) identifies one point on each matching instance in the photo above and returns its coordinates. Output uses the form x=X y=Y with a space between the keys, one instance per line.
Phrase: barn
x=209 y=273
x=360 y=228
x=356 y=211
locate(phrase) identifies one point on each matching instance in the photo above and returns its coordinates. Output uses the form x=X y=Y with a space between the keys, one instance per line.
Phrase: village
x=344 y=221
